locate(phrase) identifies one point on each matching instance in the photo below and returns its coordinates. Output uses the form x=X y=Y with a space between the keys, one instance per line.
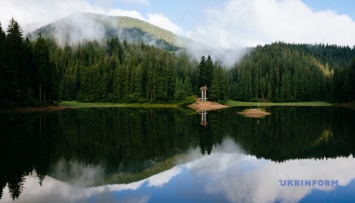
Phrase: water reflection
x=226 y=175
x=203 y=114
x=73 y=149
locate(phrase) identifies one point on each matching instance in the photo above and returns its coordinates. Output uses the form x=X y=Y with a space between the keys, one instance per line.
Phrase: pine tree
x=138 y=89
x=3 y=82
x=29 y=72
x=14 y=62
x=42 y=63
x=179 y=93
x=208 y=72
x=269 y=92
x=218 y=86
x=202 y=70
x=188 y=86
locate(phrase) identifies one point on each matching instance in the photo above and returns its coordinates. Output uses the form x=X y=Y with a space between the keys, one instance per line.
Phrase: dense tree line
x=122 y=72
x=118 y=71
x=289 y=72
x=125 y=72
x=27 y=76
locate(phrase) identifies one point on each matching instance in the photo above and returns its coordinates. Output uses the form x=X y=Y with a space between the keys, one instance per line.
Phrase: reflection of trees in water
x=206 y=139
x=288 y=133
x=127 y=137
x=297 y=132
x=24 y=148
x=212 y=134
x=131 y=140
x=121 y=139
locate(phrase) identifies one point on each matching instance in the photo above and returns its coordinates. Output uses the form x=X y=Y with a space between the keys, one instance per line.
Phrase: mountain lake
x=295 y=154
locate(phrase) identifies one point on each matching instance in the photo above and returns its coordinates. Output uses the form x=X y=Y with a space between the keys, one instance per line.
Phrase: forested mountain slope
x=75 y=28
x=295 y=72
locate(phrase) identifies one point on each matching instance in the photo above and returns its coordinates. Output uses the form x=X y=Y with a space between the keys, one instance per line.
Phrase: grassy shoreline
x=313 y=103
x=75 y=104
x=230 y=103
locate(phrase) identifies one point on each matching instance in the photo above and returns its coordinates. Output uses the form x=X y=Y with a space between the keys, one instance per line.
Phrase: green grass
x=75 y=104
x=313 y=103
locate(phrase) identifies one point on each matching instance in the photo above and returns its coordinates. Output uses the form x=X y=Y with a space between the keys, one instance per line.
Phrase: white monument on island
x=203 y=99
x=204 y=93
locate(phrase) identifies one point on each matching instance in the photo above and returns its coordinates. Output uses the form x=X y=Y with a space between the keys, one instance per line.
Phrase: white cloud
x=131 y=13
x=32 y=14
x=164 y=22
x=233 y=24
x=242 y=23
x=153 y=18
x=36 y=13
x=144 y=2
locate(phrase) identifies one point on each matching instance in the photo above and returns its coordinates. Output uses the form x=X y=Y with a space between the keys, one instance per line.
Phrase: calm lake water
x=297 y=154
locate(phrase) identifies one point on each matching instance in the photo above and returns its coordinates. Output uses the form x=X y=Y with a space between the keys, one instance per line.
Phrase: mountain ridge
x=90 y=26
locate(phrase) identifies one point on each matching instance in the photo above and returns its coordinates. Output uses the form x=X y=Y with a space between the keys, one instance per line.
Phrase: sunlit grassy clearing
x=313 y=103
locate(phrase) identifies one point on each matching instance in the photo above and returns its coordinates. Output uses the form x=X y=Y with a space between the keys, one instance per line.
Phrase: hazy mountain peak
x=89 y=26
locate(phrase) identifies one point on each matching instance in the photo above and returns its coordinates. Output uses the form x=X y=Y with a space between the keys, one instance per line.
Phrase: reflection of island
x=203 y=118
x=124 y=141
x=254 y=113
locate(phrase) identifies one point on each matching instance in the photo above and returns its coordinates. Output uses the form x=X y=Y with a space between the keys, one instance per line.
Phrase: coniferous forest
x=37 y=72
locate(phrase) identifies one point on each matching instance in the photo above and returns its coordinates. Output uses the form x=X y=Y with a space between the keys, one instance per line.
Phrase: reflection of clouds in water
x=164 y=177
x=77 y=174
x=227 y=146
x=228 y=172
x=55 y=191
x=244 y=178
x=52 y=191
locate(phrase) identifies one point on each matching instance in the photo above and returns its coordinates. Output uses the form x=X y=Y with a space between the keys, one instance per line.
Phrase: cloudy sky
x=225 y=23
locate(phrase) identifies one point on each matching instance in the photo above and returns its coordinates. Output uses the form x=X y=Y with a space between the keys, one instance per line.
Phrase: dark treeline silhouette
x=40 y=72
x=295 y=72
x=27 y=76
x=26 y=142
x=132 y=140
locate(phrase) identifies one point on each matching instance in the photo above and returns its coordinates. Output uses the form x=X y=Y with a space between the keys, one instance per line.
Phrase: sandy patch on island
x=208 y=106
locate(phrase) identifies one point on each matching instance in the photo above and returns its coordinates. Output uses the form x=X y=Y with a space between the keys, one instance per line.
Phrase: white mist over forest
x=233 y=24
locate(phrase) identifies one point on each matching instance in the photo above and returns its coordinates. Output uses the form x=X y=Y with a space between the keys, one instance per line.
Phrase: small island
x=203 y=104
x=208 y=105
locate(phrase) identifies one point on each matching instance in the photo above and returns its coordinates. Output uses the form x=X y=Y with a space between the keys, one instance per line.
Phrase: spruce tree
x=42 y=63
x=202 y=70
x=14 y=62
x=3 y=82
x=208 y=71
